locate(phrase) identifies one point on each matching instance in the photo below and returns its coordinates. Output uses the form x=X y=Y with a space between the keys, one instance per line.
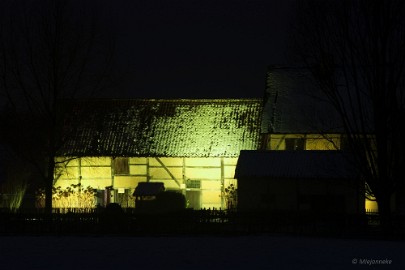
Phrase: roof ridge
x=168 y=99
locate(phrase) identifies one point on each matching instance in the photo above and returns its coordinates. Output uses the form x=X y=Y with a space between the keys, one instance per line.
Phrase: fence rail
x=131 y=221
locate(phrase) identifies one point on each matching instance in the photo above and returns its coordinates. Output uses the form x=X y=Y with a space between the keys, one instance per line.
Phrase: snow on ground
x=197 y=252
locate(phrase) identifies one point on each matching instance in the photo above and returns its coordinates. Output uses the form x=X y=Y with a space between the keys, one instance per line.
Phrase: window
x=295 y=144
x=193 y=184
x=121 y=165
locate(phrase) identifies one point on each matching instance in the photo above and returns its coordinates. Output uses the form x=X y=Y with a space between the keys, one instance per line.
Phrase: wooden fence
x=129 y=221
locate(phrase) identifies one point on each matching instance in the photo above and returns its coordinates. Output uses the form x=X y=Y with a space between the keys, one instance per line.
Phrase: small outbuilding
x=299 y=181
x=148 y=190
x=146 y=193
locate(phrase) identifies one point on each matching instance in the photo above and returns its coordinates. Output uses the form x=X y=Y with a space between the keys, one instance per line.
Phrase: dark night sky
x=198 y=49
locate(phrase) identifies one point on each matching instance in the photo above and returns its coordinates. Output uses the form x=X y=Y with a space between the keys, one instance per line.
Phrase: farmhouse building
x=190 y=145
x=297 y=118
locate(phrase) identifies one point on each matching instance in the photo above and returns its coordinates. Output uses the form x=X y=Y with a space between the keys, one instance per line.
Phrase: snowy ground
x=198 y=252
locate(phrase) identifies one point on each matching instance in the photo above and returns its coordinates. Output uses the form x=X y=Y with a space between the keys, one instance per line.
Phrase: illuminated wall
x=202 y=180
x=306 y=141
x=371 y=206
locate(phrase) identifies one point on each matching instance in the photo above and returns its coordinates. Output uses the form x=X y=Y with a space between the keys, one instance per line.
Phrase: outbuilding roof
x=161 y=127
x=149 y=189
x=295 y=164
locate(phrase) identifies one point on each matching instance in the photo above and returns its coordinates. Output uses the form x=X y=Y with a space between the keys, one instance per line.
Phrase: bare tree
x=50 y=50
x=355 y=50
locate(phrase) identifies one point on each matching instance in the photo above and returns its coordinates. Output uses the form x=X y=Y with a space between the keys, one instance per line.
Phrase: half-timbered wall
x=202 y=180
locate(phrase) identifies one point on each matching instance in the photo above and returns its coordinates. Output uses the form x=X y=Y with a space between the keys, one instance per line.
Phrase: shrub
x=74 y=196
x=230 y=195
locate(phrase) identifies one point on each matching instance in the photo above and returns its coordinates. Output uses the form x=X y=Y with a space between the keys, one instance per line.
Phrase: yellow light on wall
x=371 y=206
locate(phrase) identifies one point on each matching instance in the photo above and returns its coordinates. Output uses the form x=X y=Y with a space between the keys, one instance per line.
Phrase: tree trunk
x=49 y=186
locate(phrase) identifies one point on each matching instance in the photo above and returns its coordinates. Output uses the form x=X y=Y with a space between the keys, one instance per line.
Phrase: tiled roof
x=149 y=189
x=291 y=109
x=295 y=164
x=172 y=128
x=295 y=104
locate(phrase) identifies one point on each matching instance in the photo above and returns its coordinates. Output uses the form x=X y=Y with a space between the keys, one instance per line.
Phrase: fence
x=132 y=222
